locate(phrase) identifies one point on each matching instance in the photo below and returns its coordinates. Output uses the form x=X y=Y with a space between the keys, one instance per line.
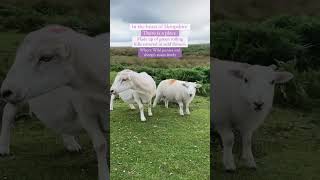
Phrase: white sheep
x=56 y=63
x=181 y=92
x=242 y=98
x=142 y=85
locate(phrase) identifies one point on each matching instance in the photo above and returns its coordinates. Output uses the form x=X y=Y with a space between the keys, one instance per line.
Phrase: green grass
x=38 y=154
x=286 y=147
x=166 y=146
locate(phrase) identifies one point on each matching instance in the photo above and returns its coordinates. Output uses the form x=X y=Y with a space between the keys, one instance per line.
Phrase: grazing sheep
x=242 y=98
x=142 y=85
x=173 y=90
x=56 y=63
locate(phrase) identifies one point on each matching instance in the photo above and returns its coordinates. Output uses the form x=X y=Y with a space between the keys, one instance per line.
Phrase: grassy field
x=257 y=9
x=166 y=146
x=286 y=147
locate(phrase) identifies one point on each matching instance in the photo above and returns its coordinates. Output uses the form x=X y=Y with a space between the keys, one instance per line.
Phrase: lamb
x=242 y=98
x=181 y=92
x=142 y=85
x=51 y=70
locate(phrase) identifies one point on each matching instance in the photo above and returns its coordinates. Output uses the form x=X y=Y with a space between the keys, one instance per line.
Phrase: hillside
x=261 y=9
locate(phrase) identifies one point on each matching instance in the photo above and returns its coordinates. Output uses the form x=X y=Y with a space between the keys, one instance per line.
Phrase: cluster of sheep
x=140 y=88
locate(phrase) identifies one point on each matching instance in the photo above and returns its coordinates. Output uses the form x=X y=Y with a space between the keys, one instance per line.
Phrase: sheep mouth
x=257 y=109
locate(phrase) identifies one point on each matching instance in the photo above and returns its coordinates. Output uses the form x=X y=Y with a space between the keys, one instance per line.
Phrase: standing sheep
x=142 y=85
x=60 y=64
x=181 y=92
x=242 y=98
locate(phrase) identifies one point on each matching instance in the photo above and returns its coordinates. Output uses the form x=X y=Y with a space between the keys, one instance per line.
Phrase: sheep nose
x=258 y=105
x=6 y=93
x=112 y=91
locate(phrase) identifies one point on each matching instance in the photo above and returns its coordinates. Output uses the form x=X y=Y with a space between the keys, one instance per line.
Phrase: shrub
x=278 y=38
x=43 y=13
x=51 y=9
x=197 y=74
x=254 y=43
x=307 y=28
x=301 y=90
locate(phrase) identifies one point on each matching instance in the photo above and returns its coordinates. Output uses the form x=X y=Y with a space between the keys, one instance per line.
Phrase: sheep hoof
x=250 y=164
x=132 y=106
x=73 y=146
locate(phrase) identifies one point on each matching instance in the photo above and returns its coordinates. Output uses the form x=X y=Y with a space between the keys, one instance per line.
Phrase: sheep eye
x=124 y=80
x=45 y=58
x=272 y=82
x=245 y=80
x=185 y=85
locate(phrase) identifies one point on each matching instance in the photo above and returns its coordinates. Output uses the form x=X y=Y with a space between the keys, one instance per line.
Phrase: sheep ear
x=282 y=77
x=238 y=73
x=274 y=67
x=129 y=77
x=198 y=85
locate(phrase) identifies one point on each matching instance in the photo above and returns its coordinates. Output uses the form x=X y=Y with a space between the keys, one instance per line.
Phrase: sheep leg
x=181 y=108
x=166 y=103
x=149 y=108
x=132 y=106
x=138 y=101
x=99 y=143
x=111 y=101
x=70 y=143
x=247 y=155
x=227 y=138
x=9 y=113
x=187 y=108
x=156 y=100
